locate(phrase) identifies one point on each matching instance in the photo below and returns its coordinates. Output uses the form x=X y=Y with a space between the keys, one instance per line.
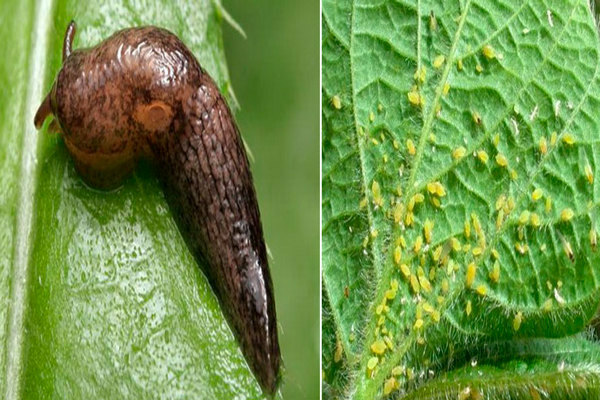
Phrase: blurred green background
x=275 y=76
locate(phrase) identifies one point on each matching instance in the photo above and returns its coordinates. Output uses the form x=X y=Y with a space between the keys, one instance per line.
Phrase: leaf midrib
x=24 y=221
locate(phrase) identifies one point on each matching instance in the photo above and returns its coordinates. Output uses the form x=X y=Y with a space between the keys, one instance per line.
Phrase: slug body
x=141 y=93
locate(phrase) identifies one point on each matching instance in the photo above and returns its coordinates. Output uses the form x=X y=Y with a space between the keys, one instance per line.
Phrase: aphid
x=526 y=31
x=488 y=52
x=481 y=290
x=567 y=214
x=376 y=192
x=455 y=244
x=427 y=230
x=593 y=238
x=436 y=188
x=409 y=219
x=514 y=174
x=550 y=20
x=156 y=101
x=445 y=285
x=522 y=248
x=467 y=229
x=371 y=116
x=414 y=283
x=438 y=61
x=415 y=98
x=470 y=276
x=346 y=291
x=378 y=347
x=553 y=138
x=432 y=21
x=363 y=203
x=517 y=321
x=418 y=244
x=501 y=160
x=372 y=363
x=374 y=141
x=418 y=324
x=390 y=385
x=547 y=306
x=476 y=117
x=495 y=254
x=589 y=174
x=339 y=351
x=421 y=74
x=468 y=308
x=543 y=145
x=483 y=156
x=535 y=220
x=567 y=247
x=374 y=233
x=459 y=64
x=537 y=194
x=495 y=272
x=479 y=68
x=556 y=108
x=410 y=146
x=405 y=270
x=477 y=251
x=397 y=254
x=568 y=139
x=548 y=205
x=425 y=284
x=499 y=219
x=402 y=241
x=336 y=102
x=459 y=153
x=398 y=212
x=435 y=316
x=446 y=89
x=476 y=224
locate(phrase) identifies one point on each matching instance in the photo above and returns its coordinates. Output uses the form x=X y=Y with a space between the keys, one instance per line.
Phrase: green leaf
x=100 y=296
x=438 y=115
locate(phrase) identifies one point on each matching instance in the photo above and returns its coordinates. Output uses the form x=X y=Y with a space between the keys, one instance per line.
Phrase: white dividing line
x=18 y=295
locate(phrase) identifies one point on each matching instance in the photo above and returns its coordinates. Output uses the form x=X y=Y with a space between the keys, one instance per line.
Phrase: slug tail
x=43 y=112
x=209 y=187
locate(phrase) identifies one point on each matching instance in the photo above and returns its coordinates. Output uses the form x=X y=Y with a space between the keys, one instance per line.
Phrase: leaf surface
x=460 y=145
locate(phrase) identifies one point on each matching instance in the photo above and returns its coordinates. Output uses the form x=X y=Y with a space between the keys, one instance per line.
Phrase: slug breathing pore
x=142 y=94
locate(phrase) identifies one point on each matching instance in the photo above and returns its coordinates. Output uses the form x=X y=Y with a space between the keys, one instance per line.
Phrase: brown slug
x=142 y=93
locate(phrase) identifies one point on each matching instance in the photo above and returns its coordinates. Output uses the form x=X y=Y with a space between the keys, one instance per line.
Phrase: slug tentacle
x=141 y=93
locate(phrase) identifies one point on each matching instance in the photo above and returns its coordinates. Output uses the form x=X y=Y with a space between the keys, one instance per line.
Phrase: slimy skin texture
x=141 y=93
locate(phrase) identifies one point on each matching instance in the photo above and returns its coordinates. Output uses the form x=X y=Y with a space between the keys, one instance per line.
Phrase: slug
x=141 y=93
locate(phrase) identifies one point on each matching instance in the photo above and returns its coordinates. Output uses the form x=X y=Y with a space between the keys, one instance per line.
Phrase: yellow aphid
x=459 y=65
x=425 y=284
x=479 y=68
x=390 y=294
x=414 y=283
x=514 y=174
x=428 y=308
x=339 y=351
x=476 y=117
x=535 y=220
x=396 y=144
x=510 y=204
x=459 y=153
x=567 y=214
x=468 y=308
x=589 y=174
x=437 y=253
x=418 y=323
x=372 y=363
x=420 y=74
x=438 y=61
x=432 y=21
x=467 y=229
x=524 y=217
x=568 y=139
x=394 y=284
x=593 y=239
x=427 y=230
x=476 y=223
x=521 y=247
x=376 y=191
x=336 y=102
x=501 y=160
x=398 y=212
x=374 y=141
x=548 y=205
x=435 y=316
x=414 y=97
x=405 y=270
x=436 y=188
x=537 y=194
x=374 y=233
x=409 y=219
x=445 y=285
x=397 y=254
x=495 y=272
x=500 y=202
x=401 y=241
x=378 y=347
x=371 y=116
x=390 y=385
x=517 y=321
x=446 y=88
x=418 y=244
x=495 y=254
x=499 y=219
x=410 y=374
x=410 y=146
x=470 y=277
x=379 y=309
x=496 y=139
x=477 y=251
x=543 y=145
x=455 y=244
x=488 y=52
x=363 y=203
x=553 y=138
x=483 y=156
x=398 y=370
x=481 y=290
